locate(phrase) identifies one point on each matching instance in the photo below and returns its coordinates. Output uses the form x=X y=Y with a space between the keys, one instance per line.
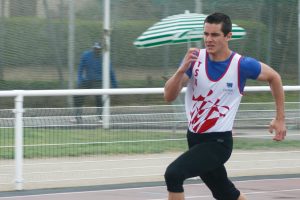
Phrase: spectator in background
x=90 y=77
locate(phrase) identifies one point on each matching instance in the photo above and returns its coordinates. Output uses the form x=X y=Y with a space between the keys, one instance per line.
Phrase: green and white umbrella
x=181 y=28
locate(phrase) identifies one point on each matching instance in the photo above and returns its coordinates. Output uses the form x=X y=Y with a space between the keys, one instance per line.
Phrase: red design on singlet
x=201 y=104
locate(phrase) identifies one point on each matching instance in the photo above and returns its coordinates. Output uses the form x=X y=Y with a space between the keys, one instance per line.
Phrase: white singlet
x=211 y=105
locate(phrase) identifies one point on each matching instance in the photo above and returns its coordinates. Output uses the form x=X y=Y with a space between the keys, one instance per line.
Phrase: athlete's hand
x=189 y=59
x=279 y=127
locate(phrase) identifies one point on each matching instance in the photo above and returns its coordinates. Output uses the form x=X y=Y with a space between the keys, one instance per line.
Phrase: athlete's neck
x=220 y=56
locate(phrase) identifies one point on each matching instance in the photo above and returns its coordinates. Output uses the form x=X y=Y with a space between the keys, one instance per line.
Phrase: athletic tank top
x=211 y=105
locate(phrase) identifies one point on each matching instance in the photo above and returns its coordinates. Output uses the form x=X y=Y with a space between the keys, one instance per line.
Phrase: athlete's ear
x=229 y=36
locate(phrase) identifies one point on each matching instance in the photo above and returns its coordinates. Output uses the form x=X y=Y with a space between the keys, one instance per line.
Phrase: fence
x=128 y=134
x=42 y=40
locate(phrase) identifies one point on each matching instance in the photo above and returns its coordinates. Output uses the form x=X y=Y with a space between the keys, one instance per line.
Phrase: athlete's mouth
x=209 y=45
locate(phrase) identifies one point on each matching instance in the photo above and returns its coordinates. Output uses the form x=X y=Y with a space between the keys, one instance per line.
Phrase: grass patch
x=43 y=142
x=265 y=144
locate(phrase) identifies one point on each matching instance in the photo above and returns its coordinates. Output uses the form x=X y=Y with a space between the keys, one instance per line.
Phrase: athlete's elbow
x=274 y=78
x=171 y=92
x=169 y=97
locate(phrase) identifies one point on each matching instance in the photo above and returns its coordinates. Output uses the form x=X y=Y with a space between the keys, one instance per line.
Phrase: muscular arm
x=174 y=85
x=274 y=80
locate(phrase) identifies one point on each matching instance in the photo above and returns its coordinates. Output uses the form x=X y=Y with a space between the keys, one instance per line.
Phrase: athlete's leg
x=217 y=180
x=176 y=196
x=199 y=159
x=219 y=184
x=242 y=197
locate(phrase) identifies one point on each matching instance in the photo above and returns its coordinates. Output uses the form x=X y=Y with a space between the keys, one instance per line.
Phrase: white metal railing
x=20 y=94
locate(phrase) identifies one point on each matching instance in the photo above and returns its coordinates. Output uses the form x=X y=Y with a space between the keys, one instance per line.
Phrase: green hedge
x=33 y=41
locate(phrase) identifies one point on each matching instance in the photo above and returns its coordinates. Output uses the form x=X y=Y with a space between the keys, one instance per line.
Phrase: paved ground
x=53 y=173
x=260 y=174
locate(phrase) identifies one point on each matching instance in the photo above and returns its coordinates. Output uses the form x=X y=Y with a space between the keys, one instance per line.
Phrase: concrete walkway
x=55 y=173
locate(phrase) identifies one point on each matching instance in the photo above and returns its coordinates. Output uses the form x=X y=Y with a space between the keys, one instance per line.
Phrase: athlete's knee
x=173 y=173
x=174 y=179
x=227 y=195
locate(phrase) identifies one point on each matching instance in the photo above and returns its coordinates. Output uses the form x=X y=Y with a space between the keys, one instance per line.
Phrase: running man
x=215 y=79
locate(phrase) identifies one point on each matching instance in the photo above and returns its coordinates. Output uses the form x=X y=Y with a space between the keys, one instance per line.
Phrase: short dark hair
x=220 y=18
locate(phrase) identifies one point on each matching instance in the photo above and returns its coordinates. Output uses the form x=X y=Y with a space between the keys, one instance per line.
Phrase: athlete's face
x=215 y=40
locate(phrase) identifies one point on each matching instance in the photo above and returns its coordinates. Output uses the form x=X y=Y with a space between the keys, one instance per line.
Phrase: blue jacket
x=90 y=68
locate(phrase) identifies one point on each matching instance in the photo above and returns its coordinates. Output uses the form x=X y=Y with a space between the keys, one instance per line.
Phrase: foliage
x=52 y=49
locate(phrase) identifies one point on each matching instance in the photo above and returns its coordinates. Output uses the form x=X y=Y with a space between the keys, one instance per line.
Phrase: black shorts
x=206 y=157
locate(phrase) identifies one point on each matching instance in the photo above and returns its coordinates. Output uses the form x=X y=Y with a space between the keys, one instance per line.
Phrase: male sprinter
x=215 y=79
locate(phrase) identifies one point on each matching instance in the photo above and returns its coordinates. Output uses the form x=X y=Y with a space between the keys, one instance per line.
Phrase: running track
x=255 y=188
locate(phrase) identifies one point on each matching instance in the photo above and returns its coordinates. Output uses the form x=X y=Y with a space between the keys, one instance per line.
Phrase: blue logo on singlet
x=229 y=85
x=229 y=88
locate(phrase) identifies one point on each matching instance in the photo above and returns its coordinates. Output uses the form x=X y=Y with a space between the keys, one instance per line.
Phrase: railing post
x=106 y=64
x=19 y=141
